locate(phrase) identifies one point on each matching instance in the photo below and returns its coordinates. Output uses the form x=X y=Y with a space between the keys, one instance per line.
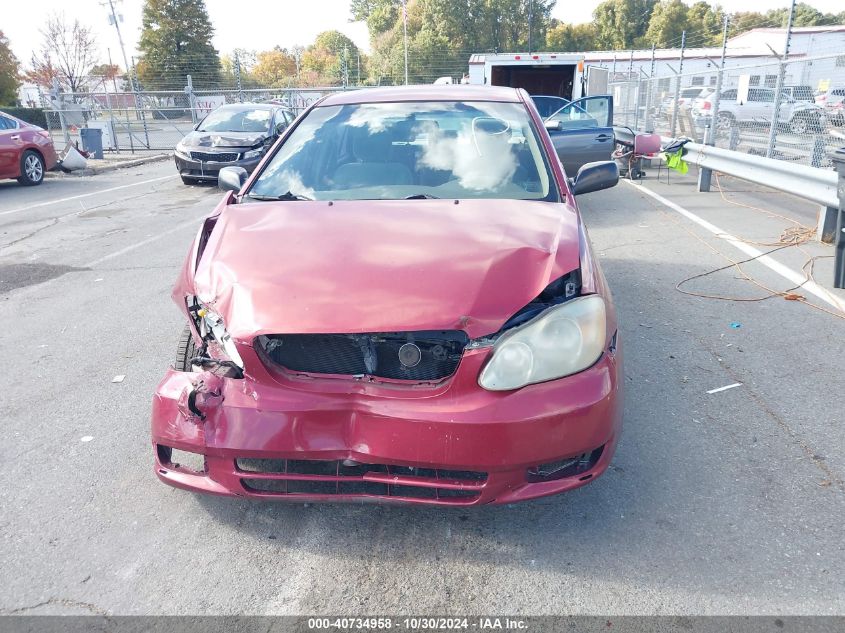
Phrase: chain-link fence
x=792 y=110
x=144 y=120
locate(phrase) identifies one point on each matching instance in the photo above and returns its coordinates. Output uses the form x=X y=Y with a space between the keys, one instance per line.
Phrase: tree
x=175 y=42
x=275 y=69
x=68 y=53
x=9 y=73
x=621 y=24
x=329 y=56
x=705 y=23
x=571 y=38
x=668 y=21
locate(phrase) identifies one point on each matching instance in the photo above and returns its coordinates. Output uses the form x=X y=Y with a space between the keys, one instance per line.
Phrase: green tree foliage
x=668 y=21
x=330 y=59
x=9 y=73
x=571 y=38
x=175 y=42
x=705 y=23
x=622 y=24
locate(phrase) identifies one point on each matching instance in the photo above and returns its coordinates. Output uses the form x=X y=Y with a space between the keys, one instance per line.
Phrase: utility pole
x=530 y=11
x=678 y=84
x=114 y=21
x=405 y=35
x=647 y=120
x=773 y=129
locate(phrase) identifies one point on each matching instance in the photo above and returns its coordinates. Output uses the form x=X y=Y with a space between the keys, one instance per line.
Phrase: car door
x=582 y=132
x=761 y=105
x=9 y=148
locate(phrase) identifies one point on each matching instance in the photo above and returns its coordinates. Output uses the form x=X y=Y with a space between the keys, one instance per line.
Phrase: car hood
x=382 y=266
x=206 y=140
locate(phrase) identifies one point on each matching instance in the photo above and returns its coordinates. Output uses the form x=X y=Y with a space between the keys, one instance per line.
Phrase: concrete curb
x=92 y=171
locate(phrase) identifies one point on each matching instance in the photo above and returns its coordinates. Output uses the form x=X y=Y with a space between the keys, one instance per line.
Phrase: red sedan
x=400 y=304
x=26 y=151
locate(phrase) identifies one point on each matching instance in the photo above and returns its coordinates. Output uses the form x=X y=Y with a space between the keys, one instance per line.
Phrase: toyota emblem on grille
x=410 y=355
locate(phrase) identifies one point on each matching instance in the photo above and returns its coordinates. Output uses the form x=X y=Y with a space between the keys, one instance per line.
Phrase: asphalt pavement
x=716 y=503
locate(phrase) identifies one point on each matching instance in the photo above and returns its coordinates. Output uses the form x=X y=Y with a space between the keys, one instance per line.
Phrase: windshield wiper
x=284 y=197
x=421 y=196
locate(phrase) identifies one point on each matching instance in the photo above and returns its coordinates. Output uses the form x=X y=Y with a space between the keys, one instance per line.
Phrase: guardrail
x=811 y=183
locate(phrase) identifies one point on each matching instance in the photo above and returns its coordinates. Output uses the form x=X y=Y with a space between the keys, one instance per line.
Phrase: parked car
x=400 y=304
x=800 y=93
x=687 y=98
x=232 y=135
x=833 y=101
x=582 y=132
x=799 y=117
x=26 y=151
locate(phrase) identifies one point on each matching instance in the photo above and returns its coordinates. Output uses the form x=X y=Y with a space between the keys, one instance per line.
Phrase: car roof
x=459 y=92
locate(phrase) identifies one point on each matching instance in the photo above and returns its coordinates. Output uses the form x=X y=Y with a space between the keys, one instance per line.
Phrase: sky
x=261 y=24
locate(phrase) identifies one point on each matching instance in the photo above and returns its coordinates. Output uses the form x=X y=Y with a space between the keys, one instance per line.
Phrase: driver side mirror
x=280 y=127
x=231 y=178
x=595 y=177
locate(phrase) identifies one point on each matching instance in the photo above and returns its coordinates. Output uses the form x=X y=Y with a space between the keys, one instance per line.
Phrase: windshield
x=394 y=151
x=236 y=120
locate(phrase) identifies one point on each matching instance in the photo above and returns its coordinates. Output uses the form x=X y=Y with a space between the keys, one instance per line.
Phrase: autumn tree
x=331 y=53
x=9 y=73
x=275 y=68
x=175 y=42
x=68 y=53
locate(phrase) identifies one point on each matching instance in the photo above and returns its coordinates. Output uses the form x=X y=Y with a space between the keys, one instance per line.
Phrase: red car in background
x=401 y=304
x=26 y=151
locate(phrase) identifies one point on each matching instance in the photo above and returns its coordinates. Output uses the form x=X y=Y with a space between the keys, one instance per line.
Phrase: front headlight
x=561 y=341
x=212 y=323
x=253 y=153
x=182 y=149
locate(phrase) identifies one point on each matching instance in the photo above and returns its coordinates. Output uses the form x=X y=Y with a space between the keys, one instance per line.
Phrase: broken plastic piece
x=118 y=378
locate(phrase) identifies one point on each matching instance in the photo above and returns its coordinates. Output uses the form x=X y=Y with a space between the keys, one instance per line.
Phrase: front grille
x=216 y=157
x=334 y=477
x=421 y=356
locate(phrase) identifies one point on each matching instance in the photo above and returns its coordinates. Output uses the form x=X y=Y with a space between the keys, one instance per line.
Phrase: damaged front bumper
x=301 y=439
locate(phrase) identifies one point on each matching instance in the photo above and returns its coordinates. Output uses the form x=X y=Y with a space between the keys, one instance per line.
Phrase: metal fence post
x=238 y=78
x=838 y=158
x=139 y=104
x=773 y=129
x=704 y=173
x=189 y=90
x=678 y=84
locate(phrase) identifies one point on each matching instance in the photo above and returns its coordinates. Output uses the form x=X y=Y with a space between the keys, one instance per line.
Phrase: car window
x=419 y=149
x=547 y=105
x=573 y=117
x=690 y=92
x=760 y=95
x=7 y=124
x=236 y=120
x=280 y=119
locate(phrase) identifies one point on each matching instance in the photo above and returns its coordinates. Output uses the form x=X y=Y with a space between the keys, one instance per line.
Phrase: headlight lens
x=563 y=340
x=181 y=148
x=212 y=323
x=253 y=153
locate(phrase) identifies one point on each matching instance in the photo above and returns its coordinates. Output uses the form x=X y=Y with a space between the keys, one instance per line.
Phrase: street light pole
x=119 y=36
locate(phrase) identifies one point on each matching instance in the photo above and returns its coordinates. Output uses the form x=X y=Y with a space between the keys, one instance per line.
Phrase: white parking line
x=195 y=222
x=86 y=195
x=792 y=276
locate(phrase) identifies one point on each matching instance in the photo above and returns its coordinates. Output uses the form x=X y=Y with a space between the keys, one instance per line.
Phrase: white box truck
x=548 y=74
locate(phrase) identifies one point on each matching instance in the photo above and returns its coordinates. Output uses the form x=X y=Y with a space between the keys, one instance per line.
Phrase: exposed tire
x=725 y=121
x=186 y=350
x=32 y=169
